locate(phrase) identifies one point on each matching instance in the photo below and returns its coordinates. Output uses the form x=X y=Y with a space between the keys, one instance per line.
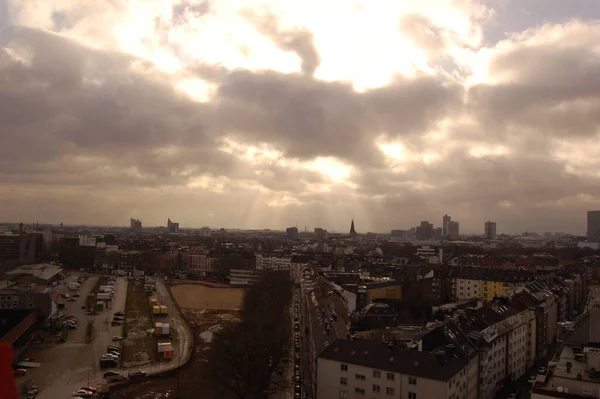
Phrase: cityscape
x=273 y=199
x=423 y=311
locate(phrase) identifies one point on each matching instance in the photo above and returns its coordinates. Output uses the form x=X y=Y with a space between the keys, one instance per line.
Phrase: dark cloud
x=77 y=120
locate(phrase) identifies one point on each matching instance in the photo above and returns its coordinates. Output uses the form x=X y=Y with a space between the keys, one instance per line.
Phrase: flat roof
x=43 y=271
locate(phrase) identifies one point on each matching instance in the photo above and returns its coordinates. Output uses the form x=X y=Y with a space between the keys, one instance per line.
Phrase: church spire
x=352 y=231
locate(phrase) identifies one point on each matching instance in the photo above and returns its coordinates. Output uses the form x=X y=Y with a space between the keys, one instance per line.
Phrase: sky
x=275 y=113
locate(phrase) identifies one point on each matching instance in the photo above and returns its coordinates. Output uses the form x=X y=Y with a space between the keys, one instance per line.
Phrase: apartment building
x=486 y=283
x=272 y=262
x=505 y=338
x=358 y=369
x=541 y=292
x=199 y=261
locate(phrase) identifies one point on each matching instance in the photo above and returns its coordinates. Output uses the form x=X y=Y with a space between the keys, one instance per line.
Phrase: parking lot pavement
x=75 y=363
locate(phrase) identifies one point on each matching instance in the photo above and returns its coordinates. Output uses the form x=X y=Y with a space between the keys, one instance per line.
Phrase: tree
x=244 y=356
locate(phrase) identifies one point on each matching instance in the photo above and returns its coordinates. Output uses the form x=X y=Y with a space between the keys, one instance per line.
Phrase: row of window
x=376 y=374
x=361 y=391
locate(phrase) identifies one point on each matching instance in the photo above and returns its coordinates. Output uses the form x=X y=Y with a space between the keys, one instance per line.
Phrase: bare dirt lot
x=198 y=296
x=193 y=379
x=138 y=344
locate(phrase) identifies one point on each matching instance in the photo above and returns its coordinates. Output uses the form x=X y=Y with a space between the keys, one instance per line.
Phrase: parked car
x=119 y=313
x=136 y=374
x=72 y=299
x=116 y=323
x=116 y=378
x=83 y=394
x=110 y=373
x=76 y=295
x=542 y=370
x=117 y=338
x=112 y=348
x=20 y=372
x=91 y=389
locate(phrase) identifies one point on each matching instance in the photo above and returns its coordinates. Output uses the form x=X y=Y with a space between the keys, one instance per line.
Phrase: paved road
x=66 y=367
x=184 y=340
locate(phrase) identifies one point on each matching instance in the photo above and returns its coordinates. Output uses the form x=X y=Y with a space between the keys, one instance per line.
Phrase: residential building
x=272 y=262
x=486 y=283
x=575 y=376
x=358 y=369
x=430 y=253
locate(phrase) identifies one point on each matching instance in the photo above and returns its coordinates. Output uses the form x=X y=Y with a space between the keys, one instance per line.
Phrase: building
x=39 y=273
x=425 y=231
x=172 y=227
x=486 y=283
x=453 y=230
x=29 y=296
x=272 y=262
x=593 y=226
x=446 y=225
x=575 y=376
x=204 y=232
x=291 y=233
x=243 y=277
x=135 y=224
x=430 y=253
x=24 y=247
x=490 y=229
x=358 y=369
x=320 y=233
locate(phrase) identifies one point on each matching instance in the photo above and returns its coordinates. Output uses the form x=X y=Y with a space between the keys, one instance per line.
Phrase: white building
x=243 y=276
x=363 y=369
x=430 y=253
x=87 y=241
x=272 y=262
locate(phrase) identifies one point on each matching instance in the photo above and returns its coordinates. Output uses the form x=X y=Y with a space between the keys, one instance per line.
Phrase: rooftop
x=42 y=271
x=440 y=366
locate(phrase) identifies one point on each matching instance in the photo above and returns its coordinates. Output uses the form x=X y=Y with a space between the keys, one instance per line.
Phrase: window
x=343 y=395
x=376 y=374
x=412 y=380
x=343 y=381
x=412 y=395
x=30 y=305
x=390 y=376
x=376 y=388
x=389 y=391
x=360 y=377
x=359 y=391
x=344 y=367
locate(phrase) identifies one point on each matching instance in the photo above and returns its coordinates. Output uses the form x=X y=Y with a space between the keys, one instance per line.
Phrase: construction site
x=191 y=380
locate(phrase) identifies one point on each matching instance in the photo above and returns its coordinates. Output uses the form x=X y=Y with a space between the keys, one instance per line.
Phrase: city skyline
x=256 y=114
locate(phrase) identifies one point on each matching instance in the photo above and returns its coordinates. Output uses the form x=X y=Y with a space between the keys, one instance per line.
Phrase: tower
x=352 y=231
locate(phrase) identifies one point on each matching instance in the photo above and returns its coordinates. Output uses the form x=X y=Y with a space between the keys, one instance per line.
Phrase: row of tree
x=245 y=355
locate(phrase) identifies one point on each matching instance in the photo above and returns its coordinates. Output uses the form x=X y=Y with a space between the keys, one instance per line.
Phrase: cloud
x=218 y=116
x=298 y=40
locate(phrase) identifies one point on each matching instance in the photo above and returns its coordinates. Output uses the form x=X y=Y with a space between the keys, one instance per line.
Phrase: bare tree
x=245 y=356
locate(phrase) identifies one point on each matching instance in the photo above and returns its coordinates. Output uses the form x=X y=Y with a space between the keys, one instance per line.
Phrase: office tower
x=490 y=229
